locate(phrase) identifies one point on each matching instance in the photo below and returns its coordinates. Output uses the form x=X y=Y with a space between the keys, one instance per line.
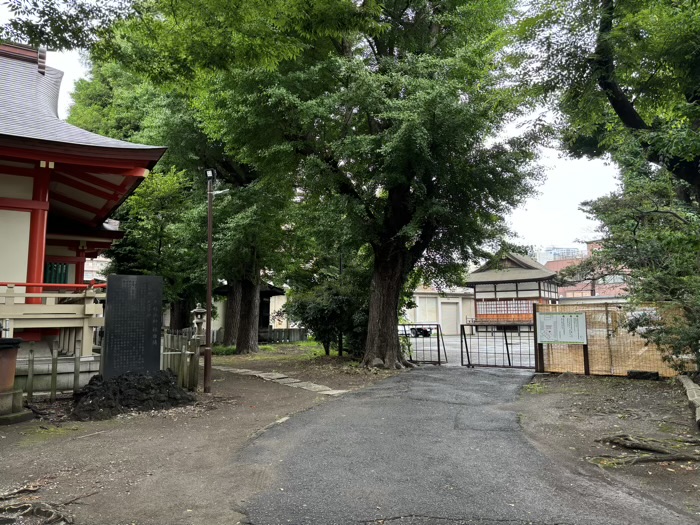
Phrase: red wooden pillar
x=37 y=237
x=80 y=267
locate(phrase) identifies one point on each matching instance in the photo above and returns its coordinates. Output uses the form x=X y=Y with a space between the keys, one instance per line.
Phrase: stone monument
x=133 y=323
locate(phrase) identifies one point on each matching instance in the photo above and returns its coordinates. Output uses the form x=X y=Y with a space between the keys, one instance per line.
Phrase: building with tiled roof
x=58 y=183
x=505 y=290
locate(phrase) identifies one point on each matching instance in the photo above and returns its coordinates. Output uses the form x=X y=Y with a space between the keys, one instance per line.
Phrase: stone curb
x=692 y=390
x=283 y=380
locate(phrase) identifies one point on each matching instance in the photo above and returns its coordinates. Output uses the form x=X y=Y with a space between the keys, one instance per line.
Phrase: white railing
x=74 y=310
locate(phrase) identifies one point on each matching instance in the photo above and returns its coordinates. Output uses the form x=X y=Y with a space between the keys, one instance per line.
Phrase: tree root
x=399 y=364
x=14 y=493
x=407 y=364
x=21 y=512
x=36 y=512
x=659 y=453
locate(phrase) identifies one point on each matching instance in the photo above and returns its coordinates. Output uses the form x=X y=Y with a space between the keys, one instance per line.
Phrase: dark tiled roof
x=29 y=110
x=525 y=269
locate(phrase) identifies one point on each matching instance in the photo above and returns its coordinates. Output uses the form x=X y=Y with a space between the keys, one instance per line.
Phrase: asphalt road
x=433 y=446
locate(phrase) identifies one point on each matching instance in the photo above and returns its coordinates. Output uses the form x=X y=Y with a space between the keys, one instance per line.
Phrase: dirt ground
x=565 y=416
x=164 y=467
x=307 y=362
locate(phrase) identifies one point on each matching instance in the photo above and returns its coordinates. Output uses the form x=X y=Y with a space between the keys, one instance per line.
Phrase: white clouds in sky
x=553 y=217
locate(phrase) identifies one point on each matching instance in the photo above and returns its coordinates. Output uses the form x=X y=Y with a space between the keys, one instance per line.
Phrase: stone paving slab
x=313 y=387
x=333 y=392
x=286 y=380
x=268 y=376
x=282 y=379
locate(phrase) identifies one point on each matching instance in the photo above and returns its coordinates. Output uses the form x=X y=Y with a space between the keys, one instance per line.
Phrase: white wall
x=430 y=307
x=15 y=187
x=14 y=245
x=276 y=303
x=218 y=321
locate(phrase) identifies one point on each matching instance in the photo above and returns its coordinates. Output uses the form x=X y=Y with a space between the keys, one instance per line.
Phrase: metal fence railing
x=510 y=346
x=423 y=343
x=282 y=335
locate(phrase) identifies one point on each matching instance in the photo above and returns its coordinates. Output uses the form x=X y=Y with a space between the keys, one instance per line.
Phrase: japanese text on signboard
x=559 y=328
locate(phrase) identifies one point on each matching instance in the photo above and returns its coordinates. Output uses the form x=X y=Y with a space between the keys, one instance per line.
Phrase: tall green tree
x=153 y=243
x=625 y=76
x=328 y=273
x=248 y=249
x=653 y=239
x=393 y=107
x=126 y=105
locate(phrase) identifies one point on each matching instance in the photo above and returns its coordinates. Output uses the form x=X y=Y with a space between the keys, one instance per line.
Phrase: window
x=503 y=307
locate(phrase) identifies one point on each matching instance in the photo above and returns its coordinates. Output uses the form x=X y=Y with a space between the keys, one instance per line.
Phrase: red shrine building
x=58 y=186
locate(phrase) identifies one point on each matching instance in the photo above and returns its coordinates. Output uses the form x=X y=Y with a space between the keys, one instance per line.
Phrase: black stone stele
x=133 y=322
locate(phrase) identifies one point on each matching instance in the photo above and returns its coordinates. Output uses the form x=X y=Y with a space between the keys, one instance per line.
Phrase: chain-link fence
x=612 y=349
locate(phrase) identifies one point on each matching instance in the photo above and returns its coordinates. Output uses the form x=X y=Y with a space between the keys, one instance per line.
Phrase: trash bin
x=8 y=362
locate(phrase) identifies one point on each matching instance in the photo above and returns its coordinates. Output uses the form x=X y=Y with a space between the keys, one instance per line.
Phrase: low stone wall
x=692 y=389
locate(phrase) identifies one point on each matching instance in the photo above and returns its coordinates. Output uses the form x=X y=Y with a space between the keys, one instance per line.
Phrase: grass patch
x=299 y=352
x=223 y=350
x=41 y=434
x=535 y=388
x=276 y=348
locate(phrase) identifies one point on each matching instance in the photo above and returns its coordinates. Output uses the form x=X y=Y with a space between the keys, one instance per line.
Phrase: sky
x=551 y=218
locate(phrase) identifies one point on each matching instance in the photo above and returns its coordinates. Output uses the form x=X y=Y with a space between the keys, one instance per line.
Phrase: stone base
x=17 y=417
x=11 y=402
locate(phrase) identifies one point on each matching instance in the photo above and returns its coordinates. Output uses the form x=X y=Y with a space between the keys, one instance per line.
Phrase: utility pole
x=211 y=175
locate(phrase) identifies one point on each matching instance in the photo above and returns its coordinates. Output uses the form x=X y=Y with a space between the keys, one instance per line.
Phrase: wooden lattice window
x=56 y=273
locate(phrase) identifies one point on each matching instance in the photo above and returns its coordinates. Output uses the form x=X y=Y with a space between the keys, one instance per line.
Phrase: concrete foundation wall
x=42 y=373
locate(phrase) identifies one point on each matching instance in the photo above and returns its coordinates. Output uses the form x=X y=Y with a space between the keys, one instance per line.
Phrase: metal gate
x=423 y=343
x=502 y=345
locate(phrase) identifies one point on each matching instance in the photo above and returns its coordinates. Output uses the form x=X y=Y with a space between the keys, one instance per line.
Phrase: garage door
x=449 y=313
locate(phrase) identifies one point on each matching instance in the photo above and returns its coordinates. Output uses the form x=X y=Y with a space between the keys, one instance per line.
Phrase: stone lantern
x=199 y=316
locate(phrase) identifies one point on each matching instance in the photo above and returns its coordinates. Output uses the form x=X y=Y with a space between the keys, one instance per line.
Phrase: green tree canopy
x=625 y=75
x=653 y=239
x=395 y=108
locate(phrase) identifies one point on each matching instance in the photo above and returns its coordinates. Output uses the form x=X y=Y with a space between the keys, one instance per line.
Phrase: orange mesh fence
x=612 y=349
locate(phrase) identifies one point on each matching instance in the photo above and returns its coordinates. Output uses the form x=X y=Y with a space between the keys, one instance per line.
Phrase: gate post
x=539 y=350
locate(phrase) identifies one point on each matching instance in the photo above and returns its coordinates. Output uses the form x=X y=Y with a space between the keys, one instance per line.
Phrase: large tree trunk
x=247 y=339
x=382 y=329
x=232 y=313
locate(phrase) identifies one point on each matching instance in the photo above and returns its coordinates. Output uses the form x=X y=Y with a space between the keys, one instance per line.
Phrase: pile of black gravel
x=101 y=399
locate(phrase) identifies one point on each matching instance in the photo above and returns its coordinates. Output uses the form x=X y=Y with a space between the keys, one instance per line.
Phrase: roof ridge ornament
x=41 y=60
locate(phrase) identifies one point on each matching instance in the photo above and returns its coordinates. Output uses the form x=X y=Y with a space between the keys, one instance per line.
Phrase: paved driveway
x=435 y=445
